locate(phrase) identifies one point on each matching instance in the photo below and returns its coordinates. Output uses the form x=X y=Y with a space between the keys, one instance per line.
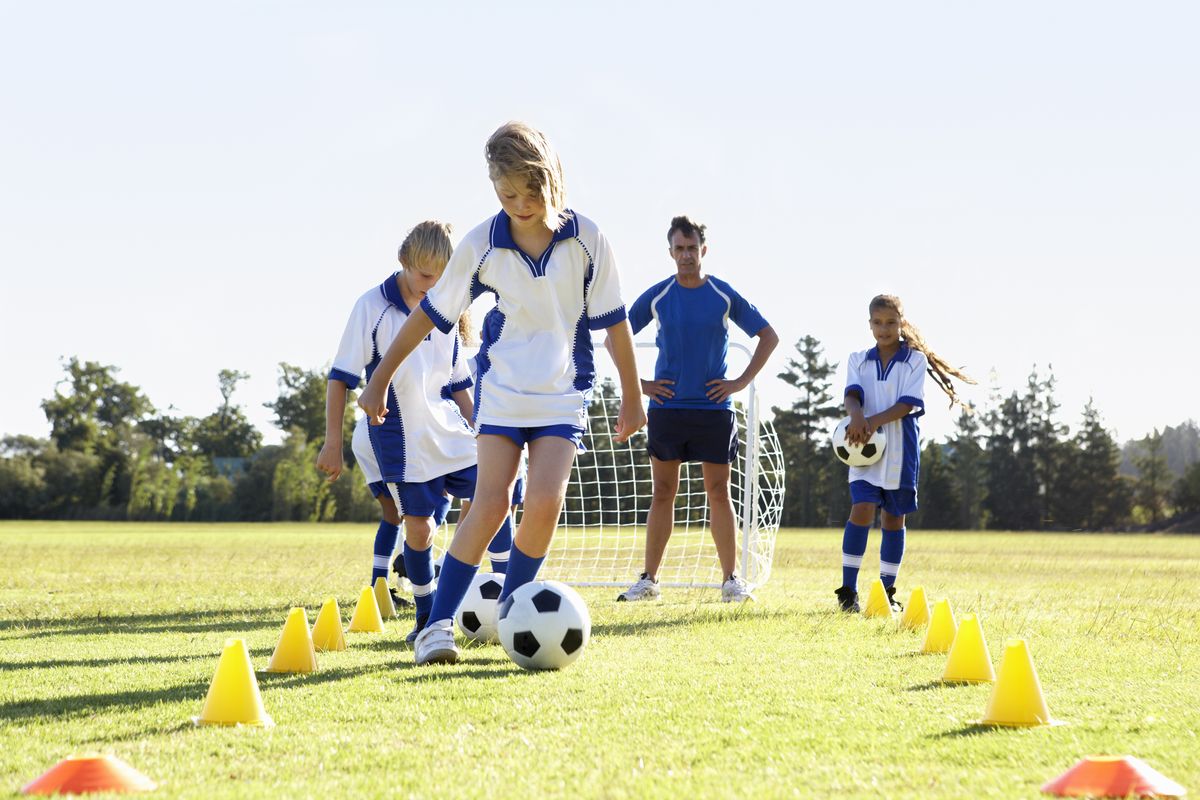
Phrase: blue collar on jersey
x=391 y=293
x=902 y=356
x=501 y=235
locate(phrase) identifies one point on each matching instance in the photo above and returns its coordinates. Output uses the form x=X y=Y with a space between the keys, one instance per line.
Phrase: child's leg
x=854 y=541
x=550 y=459
x=385 y=537
x=501 y=544
x=891 y=548
x=418 y=560
x=498 y=460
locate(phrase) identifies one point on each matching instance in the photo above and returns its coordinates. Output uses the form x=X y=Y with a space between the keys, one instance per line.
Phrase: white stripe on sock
x=849 y=560
x=422 y=590
x=382 y=562
x=888 y=568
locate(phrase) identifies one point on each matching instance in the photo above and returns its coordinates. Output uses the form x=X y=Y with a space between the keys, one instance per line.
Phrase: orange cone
x=1113 y=776
x=84 y=774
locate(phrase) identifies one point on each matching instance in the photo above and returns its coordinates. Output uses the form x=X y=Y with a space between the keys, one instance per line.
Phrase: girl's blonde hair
x=428 y=245
x=939 y=369
x=523 y=153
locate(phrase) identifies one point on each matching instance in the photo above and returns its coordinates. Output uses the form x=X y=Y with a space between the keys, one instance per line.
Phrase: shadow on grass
x=415 y=674
x=972 y=729
x=84 y=663
x=937 y=684
x=175 y=622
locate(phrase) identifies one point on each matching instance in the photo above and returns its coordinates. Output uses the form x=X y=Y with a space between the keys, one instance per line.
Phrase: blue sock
x=521 y=570
x=453 y=583
x=891 y=553
x=385 y=543
x=419 y=566
x=501 y=544
x=854 y=544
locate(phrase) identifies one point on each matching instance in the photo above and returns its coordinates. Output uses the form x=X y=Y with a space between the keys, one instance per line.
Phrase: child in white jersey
x=885 y=389
x=426 y=447
x=555 y=281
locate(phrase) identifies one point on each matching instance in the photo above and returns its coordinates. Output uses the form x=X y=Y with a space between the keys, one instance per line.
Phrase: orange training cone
x=969 y=660
x=940 y=634
x=84 y=774
x=916 y=613
x=366 y=617
x=1113 y=776
x=295 y=652
x=233 y=697
x=383 y=598
x=327 y=630
x=1017 y=696
x=878 y=604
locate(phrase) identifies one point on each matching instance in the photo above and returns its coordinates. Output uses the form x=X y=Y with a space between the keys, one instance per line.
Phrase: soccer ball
x=476 y=616
x=857 y=455
x=544 y=625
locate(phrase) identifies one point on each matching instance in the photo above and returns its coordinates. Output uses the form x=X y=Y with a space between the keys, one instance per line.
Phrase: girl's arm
x=329 y=460
x=632 y=417
x=859 y=430
x=898 y=411
x=412 y=333
x=466 y=406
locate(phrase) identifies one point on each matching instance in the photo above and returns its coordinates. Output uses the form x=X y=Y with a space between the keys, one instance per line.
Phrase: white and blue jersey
x=878 y=388
x=423 y=436
x=693 y=335
x=535 y=362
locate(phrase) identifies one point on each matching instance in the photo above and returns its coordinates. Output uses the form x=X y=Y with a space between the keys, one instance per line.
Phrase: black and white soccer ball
x=857 y=455
x=476 y=616
x=544 y=625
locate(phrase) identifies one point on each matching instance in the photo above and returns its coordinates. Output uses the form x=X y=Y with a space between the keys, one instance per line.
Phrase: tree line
x=1013 y=464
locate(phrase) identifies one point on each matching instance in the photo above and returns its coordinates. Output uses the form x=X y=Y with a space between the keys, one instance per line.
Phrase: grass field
x=110 y=634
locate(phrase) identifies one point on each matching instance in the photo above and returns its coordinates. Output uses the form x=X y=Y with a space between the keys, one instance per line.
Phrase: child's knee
x=862 y=514
x=418 y=532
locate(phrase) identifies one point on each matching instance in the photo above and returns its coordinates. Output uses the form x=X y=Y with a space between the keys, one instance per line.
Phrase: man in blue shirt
x=691 y=416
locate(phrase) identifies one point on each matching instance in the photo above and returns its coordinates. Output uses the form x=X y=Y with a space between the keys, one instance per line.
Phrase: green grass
x=110 y=633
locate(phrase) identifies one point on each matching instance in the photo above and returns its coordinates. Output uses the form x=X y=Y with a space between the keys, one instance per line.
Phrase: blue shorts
x=523 y=436
x=428 y=499
x=896 y=502
x=379 y=489
x=692 y=434
x=518 y=492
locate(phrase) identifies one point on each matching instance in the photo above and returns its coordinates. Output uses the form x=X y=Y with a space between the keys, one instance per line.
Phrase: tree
x=939 y=493
x=802 y=429
x=1093 y=494
x=1187 y=491
x=301 y=403
x=227 y=433
x=1153 y=477
x=1012 y=501
x=968 y=464
x=1046 y=445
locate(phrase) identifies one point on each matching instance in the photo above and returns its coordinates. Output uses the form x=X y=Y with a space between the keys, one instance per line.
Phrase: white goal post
x=601 y=536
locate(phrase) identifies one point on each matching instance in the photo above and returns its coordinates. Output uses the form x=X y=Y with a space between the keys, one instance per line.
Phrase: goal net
x=601 y=538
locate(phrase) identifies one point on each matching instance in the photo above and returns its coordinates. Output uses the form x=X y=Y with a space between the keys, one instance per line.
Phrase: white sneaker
x=735 y=590
x=646 y=588
x=435 y=644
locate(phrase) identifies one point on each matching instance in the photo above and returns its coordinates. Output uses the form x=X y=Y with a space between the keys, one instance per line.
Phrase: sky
x=191 y=187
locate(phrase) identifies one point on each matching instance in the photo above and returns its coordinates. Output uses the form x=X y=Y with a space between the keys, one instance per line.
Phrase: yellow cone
x=916 y=613
x=969 y=660
x=940 y=634
x=877 y=601
x=366 y=617
x=327 y=630
x=1017 y=696
x=383 y=599
x=295 y=652
x=233 y=697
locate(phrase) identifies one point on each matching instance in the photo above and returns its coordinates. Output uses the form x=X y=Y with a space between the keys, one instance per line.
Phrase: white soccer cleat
x=435 y=644
x=646 y=588
x=735 y=590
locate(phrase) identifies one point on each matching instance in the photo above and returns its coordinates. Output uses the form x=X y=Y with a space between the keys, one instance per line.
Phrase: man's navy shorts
x=692 y=434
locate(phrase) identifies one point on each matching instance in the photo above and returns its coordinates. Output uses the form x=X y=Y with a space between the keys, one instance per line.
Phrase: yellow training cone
x=1017 y=697
x=233 y=697
x=916 y=613
x=878 y=604
x=327 y=630
x=295 y=652
x=940 y=634
x=969 y=661
x=383 y=598
x=366 y=617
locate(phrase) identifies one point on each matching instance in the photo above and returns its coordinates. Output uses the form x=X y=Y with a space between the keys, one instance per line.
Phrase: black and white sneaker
x=398 y=601
x=848 y=599
x=891 y=593
x=422 y=619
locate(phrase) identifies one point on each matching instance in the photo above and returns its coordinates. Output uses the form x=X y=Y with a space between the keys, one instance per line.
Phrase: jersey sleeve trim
x=856 y=390
x=917 y=403
x=444 y=325
x=607 y=320
x=351 y=381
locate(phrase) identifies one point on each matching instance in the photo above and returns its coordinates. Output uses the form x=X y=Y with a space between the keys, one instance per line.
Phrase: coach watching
x=691 y=416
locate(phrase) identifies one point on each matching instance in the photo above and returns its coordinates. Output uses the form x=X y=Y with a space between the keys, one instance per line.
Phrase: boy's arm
x=722 y=389
x=329 y=460
x=466 y=406
x=632 y=417
x=412 y=332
